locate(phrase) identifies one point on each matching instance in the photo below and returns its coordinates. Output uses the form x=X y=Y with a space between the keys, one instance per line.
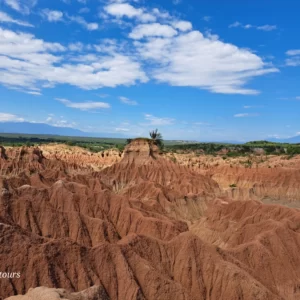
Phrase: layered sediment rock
x=142 y=228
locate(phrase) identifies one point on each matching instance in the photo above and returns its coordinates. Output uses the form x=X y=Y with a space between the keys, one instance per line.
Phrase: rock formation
x=271 y=179
x=142 y=228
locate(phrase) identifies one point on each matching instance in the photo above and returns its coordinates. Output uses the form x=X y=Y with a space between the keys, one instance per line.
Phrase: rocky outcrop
x=2 y=153
x=81 y=157
x=271 y=179
x=144 y=227
x=44 y=293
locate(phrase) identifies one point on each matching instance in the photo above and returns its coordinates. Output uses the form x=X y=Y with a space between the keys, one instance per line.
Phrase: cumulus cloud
x=191 y=59
x=127 y=101
x=293 y=52
x=83 y=105
x=28 y=62
x=165 y=47
x=183 y=25
x=126 y=10
x=52 y=15
x=5 y=117
x=58 y=122
x=81 y=21
x=5 y=18
x=154 y=29
x=76 y=46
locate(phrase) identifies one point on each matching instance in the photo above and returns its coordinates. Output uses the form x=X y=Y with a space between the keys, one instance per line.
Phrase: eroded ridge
x=143 y=227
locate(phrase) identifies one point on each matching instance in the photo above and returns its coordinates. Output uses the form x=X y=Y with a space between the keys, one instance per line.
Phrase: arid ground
x=141 y=225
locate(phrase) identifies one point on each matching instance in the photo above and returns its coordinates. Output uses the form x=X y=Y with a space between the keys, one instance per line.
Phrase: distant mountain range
x=45 y=129
x=42 y=128
x=38 y=128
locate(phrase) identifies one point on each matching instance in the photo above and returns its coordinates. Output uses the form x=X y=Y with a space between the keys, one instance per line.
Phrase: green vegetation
x=89 y=143
x=225 y=150
x=237 y=150
x=157 y=138
x=233 y=185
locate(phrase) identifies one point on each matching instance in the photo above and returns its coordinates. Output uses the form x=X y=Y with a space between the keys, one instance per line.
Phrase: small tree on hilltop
x=157 y=138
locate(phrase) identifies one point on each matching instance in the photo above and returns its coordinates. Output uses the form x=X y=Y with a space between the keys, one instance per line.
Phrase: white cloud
x=123 y=9
x=89 y=26
x=122 y=129
x=235 y=24
x=51 y=120
x=178 y=58
x=294 y=58
x=5 y=117
x=128 y=101
x=183 y=25
x=253 y=106
x=243 y=115
x=84 y=10
x=275 y=136
x=201 y=124
x=76 y=46
x=84 y=105
x=28 y=62
x=155 y=121
x=267 y=27
x=35 y=93
x=249 y=26
x=293 y=52
x=164 y=15
x=154 y=29
x=103 y=95
x=92 y=26
x=126 y=10
x=58 y=122
x=293 y=62
x=206 y=18
x=5 y=18
x=191 y=59
x=14 y=4
x=22 y=6
x=52 y=15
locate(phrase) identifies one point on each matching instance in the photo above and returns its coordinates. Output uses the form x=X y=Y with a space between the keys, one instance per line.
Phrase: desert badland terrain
x=141 y=225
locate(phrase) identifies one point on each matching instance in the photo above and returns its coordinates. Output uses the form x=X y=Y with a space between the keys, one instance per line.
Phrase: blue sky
x=196 y=70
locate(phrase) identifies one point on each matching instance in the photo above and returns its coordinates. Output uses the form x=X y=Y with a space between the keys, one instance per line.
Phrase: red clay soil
x=143 y=228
